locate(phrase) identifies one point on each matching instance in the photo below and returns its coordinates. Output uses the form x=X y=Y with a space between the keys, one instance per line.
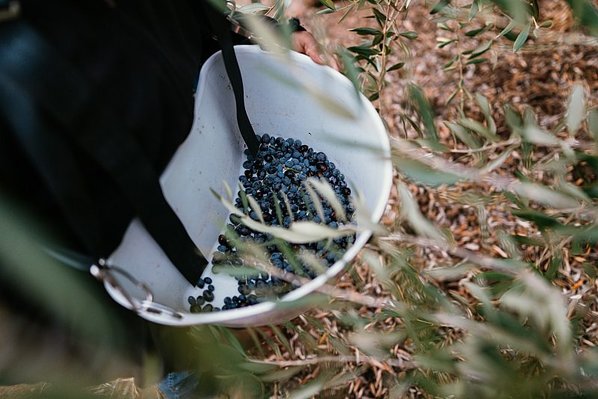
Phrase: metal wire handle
x=105 y=273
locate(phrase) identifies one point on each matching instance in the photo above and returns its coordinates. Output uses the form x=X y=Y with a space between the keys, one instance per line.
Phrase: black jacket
x=141 y=59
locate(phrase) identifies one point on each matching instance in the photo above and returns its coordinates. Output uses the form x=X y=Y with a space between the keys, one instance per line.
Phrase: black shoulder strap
x=221 y=28
x=34 y=74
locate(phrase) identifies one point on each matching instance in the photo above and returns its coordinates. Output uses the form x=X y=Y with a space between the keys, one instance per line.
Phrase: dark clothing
x=141 y=59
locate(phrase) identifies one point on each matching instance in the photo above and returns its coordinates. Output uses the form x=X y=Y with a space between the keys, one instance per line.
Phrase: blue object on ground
x=179 y=385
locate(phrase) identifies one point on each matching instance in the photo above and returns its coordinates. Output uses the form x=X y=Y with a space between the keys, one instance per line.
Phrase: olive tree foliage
x=511 y=330
x=477 y=324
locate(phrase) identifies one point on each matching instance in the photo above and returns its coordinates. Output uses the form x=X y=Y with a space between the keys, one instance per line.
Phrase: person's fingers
x=305 y=43
x=334 y=64
x=312 y=51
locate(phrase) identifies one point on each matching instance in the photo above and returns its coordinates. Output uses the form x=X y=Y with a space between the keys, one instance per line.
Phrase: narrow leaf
x=366 y=51
x=396 y=66
x=254 y=8
x=329 y=4
x=485 y=107
x=521 y=38
x=367 y=31
x=478 y=128
x=229 y=206
x=576 y=109
x=409 y=35
x=315 y=201
x=475 y=61
x=593 y=124
x=481 y=49
x=446 y=43
x=439 y=6
x=452 y=96
x=327 y=192
x=381 y=18
x=425 y=111
x=474 y=32
x=534 y=134
x=256 y=208
x=287 y=203
x=473 y=11
x=463 y=135
x=496 y=163
x=411 y=212
x=545 y=195
x=508 y=28
x=421 y=173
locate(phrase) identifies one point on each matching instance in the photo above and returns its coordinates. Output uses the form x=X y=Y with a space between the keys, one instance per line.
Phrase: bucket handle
x=105 y=273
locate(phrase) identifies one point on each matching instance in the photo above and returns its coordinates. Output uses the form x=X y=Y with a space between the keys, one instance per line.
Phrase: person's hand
x=305 y=43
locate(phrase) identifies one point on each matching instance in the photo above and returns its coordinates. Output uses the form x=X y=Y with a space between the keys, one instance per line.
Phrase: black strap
x=221 y=28
x=35 y=75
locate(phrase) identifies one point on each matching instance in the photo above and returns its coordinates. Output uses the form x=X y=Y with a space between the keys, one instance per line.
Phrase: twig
x=327 y=289
x=487 y=262
x=501 y=183
x=487 y=147
x=362 y=359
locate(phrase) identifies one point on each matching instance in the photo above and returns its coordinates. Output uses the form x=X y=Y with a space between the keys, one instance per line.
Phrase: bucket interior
x=328 y=115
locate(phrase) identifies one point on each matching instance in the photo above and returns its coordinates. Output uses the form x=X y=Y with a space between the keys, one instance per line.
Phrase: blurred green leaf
x=451 y=63
x=519 y=10
x=542 y=220
x=425 y=111
x=481 y=49
x=478 y=128
x=422 y=173
x=452 y=95
x=364 y=50
x=329 y=4
x=256 y=208
x=282 y=376
x=381 y=18
x=439 y=6
x=544 y=304
x=410 y=211
x=367 y=31
x=545 y=195
x=587 y=234
x=445 y=43
x=507 y=29
x=576 y=109
x=475 y=32
x=475 y=61
x=327 y=192
x=593 y=124
x=254 y=8
x=586 y=13
x=315 y=201
x=521 y=38
x=311 y=389
x=473 y=10
x=513 y=118
x=487 y=111
x=484 y=104
x=349 y=69
x=534 y=134
x=409 y=35
x=396 y=66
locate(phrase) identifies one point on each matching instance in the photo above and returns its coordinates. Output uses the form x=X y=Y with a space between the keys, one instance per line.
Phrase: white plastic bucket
x=213 y=153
